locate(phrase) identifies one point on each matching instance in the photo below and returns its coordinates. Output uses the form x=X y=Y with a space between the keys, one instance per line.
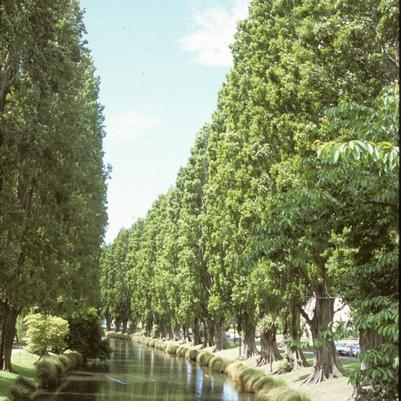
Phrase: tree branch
x=305 y=315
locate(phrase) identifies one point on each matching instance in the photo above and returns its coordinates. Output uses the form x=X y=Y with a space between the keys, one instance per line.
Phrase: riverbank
x=31 y=375
x=23 y=364
x=226 y=361
x=248 y=379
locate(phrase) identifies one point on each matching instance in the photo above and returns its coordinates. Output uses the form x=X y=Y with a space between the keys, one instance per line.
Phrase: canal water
x=138 y=373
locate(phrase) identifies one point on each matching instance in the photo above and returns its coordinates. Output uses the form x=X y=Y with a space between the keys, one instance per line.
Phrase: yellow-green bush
x=172 y=348
x=161 y=345
x=233 y=370
x=191 y=354
x=248 y=378
x=46 y=332
x=181 y=351
x=218 y=364
x=204 y=357
x=266 y=383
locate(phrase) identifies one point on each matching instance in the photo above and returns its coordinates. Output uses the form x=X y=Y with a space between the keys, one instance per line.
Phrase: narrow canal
x=137 y=373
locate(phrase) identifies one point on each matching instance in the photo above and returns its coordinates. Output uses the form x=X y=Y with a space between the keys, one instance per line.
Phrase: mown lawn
x=23 y=364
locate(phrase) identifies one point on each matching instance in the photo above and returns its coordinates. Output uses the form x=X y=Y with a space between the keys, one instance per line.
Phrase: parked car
x=343 y=349
x=355 y=350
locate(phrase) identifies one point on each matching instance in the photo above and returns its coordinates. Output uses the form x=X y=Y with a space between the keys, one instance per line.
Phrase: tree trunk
x=368 y=340
x=148 y=324
x=125 y=325
x=209 y=333
x=326 y=363
x=295 y=354
x=117 y=323
x=108 y=323
x=171 y=334
x=269 y=352
x=248 y=348
x=7 y=336
x=219 y=338
x=196 y=333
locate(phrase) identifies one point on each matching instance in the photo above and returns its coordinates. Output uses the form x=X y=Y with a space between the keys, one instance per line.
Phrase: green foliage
x=218 y=364
x=47 y=373
x=86 y=335
x=23 y=389
x=52 y=176
x=204 y=357
x=46 y=333
x=289 y=194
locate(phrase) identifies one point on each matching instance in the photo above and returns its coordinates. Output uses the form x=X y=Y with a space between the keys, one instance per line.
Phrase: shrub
x=218 y=364
x=248 y=378
x=65 y=362
x=47 y=374
x=86 y=335
x=204 y=358
x=181 y=351
x=266 y=383
x=171 y=349
x=233 y=370
x=22 y=389
x=45 y=333
x=191 y=354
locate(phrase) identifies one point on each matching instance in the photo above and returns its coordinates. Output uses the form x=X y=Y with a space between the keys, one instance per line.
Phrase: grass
x=23 y=365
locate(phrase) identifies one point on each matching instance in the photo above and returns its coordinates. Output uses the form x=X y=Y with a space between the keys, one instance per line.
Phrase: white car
x=343 y=348
x=355 y=350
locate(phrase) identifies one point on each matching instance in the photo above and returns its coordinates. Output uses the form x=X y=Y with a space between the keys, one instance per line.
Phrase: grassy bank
x=23 y=365
x=31 y=375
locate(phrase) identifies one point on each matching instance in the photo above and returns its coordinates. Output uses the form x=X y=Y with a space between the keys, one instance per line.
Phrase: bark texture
x=326 y=364
x=125 y=325
x=269 y=352
x=219 y=339
x=248 y=348
x=8 y=330
x=293 y=334
x=196 y=338
x=368 y=339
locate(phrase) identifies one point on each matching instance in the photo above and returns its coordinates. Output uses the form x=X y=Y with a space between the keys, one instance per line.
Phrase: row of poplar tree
x=52 y=177
x=290 y=194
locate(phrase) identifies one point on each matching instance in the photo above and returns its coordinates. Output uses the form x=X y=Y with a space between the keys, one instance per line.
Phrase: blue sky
x=161 y=65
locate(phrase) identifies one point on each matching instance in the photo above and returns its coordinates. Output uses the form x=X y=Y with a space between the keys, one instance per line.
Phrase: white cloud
x=130 y=124
x=213 y=32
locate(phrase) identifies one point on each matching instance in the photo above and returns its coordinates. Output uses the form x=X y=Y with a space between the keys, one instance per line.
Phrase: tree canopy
x=52 y=176
x=289 y=196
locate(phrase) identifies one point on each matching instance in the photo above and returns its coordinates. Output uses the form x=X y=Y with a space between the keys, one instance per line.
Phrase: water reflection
x=135 y=373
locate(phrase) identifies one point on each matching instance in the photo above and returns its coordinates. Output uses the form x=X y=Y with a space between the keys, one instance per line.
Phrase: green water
x=137 y=373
